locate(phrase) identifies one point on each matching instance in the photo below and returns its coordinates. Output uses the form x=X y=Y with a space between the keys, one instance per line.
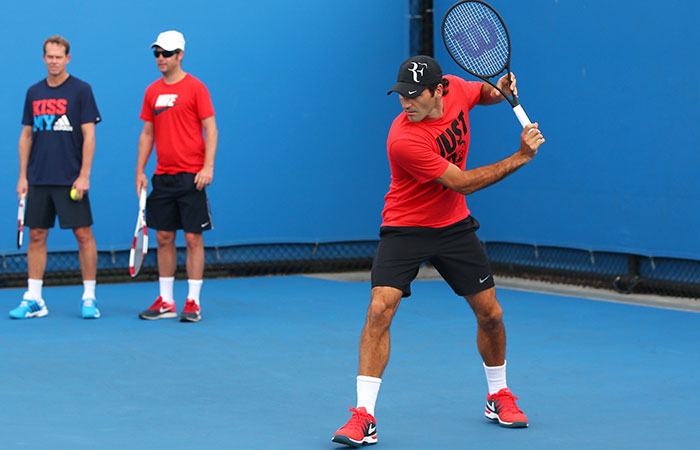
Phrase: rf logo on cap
x=417 y=69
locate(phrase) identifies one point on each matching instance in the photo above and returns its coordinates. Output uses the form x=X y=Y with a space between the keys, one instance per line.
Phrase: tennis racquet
x=139 y=246
x=477 y=39
x=20 y=219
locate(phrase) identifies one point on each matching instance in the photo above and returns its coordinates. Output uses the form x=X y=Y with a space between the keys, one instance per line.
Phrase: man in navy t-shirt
x=56 y=148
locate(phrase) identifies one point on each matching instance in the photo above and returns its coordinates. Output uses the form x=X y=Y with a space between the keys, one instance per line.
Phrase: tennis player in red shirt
x=426 y=218
x=176 y=110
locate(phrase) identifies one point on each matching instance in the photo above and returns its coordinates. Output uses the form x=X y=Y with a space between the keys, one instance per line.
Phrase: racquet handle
x=20 y=210
x=142 y=199
x=520 y=114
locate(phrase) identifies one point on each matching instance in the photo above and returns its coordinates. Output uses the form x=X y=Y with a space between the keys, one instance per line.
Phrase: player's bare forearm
x=466 y=182
x=88 y=149
x=146 y=140
x=211 y=140
x=25 y=148
x=211 y=137
x=210 y=144
x=82 y=183
x=145 y=149
x=483 y=177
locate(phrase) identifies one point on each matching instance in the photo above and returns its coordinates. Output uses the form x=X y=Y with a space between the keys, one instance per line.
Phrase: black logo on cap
x=417 y=69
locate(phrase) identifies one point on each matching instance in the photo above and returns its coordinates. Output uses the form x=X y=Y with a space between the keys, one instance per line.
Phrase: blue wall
x=299 y=89
x=612 y=85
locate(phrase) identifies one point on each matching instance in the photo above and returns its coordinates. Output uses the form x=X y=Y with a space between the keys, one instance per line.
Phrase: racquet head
x=476 y=38
x=139 y=246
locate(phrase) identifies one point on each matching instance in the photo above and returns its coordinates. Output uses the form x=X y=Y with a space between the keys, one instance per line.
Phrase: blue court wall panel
x=608 y=83
x=299 y=90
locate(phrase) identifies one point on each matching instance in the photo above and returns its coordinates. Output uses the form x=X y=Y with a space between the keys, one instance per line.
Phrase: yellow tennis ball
x=74 y=195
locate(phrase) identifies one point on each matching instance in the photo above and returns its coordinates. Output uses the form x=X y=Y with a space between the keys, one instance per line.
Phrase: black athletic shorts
x=176 y=204
x=455 y=251
x=45 y=202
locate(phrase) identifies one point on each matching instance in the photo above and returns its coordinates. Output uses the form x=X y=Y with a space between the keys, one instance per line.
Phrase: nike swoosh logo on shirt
x=158 y=111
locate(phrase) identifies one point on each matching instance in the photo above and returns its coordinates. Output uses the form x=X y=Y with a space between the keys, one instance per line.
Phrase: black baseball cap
x=415 y=75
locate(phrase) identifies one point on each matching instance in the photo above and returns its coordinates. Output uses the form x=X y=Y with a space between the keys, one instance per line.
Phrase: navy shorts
x=176 y=204
x=455 y=251
x=44 y=203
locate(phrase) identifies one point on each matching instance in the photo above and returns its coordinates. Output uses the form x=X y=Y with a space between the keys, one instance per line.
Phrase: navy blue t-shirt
x=56 y=114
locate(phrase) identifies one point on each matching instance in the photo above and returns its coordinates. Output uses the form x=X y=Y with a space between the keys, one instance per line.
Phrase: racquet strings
x=477 y=39
x=138 y=250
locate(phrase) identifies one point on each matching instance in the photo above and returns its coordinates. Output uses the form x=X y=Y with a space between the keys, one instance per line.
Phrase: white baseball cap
x=170 y=40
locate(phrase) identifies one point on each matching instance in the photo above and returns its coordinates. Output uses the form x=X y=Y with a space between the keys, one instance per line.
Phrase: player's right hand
x=530 y=140
x=22 y=186
x=141 y=183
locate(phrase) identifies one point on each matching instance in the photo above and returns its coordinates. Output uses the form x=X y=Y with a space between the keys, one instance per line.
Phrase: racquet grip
x=520 y=114
x=142 y=200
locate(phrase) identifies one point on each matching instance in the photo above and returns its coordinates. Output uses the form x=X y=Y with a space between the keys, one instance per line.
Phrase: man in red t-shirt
x=176 y=110
x=426 y=218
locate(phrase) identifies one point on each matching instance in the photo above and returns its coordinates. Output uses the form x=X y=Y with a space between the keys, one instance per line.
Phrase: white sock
x=195 y=287
x=166 y=288
x=367 y=391
x=34 y=288
x=89 y=289
x=496 y=377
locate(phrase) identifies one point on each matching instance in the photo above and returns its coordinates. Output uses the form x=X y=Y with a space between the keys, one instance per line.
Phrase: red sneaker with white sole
x=501 y=407
x=360 y=429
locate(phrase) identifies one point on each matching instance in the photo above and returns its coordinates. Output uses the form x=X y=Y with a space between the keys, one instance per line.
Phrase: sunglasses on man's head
x=165 y=53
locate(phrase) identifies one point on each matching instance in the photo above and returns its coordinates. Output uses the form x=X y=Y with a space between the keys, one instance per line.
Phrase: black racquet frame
x=517 y=109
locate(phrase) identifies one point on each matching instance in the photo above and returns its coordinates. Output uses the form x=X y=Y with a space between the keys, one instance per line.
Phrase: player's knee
x=379 y=314
x=83 y=235
x=492 y=318
x=38 y=235
x=193 y=240
x=165 y=238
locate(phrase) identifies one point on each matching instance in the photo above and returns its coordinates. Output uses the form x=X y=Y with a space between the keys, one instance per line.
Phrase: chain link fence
x=620 y=272
x=625 y=273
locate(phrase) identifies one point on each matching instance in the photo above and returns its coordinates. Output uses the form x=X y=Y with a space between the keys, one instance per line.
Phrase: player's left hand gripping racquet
x=20 y=220
x=477 y=39
x=139 y=247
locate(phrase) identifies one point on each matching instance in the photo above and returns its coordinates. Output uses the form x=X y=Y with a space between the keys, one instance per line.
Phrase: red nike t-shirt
x=421 y=152
x=177 y=111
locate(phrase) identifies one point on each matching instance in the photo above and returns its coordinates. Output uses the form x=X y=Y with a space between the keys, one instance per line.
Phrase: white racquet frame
x=20 y=220
x=140 y=228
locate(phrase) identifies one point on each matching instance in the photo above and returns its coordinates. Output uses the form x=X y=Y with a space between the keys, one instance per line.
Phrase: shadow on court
x=272 y=365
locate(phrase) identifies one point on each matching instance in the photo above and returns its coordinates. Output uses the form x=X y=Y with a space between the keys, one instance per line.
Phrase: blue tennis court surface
x=272 y=365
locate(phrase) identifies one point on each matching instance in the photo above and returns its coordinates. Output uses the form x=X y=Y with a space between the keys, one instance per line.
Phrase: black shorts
x=176 y=204
x=45 y=202
x=455 y=251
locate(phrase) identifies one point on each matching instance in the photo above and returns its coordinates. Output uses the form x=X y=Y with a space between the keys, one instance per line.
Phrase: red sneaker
x=191 y=313
x=159 y=310
x=501 y=407
x=360 y=429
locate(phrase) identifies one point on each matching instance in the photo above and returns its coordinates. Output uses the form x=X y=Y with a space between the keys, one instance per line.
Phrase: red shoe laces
x=506 y=401
x=358 y=419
